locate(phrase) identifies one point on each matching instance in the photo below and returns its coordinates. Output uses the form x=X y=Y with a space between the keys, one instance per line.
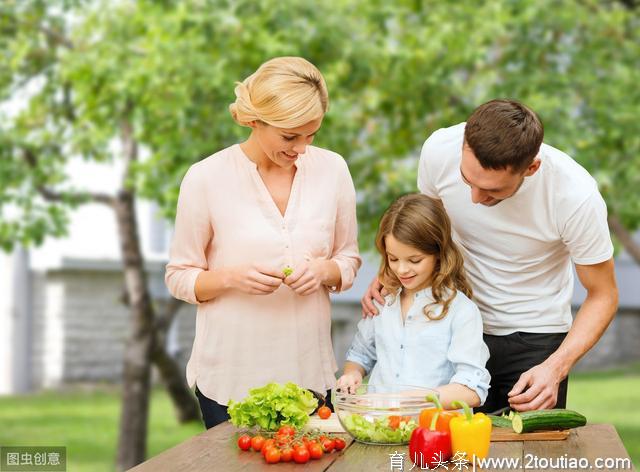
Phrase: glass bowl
x=381 y=414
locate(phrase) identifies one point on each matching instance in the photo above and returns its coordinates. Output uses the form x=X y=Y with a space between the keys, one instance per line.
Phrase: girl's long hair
x=422 y=223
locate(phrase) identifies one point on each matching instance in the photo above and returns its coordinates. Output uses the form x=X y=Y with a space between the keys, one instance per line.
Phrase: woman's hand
x=308 y=277
x=350 y=382
x=254 y=279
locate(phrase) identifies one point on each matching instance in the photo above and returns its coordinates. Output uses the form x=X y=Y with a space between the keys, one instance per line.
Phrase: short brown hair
x=504 y=134
x=422 y=222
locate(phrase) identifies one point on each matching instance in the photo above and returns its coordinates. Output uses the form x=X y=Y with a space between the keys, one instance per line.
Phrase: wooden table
x=216 y=450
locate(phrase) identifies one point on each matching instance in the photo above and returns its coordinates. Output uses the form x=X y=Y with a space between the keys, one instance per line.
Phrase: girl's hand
x=307 y=277
x=350 y=382
x=254 y=279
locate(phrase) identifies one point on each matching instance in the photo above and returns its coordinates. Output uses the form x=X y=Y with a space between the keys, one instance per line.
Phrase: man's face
x=488 y=186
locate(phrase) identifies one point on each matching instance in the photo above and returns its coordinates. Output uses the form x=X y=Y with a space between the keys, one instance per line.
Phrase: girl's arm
x=361 y=356
x=469 y=354
x=456 y=391
x=352 y=376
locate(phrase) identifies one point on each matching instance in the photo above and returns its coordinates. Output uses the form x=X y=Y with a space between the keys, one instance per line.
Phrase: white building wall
x=15 y=321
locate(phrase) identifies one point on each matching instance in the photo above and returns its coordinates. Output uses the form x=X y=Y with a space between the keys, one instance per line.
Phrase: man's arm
x=540 y=384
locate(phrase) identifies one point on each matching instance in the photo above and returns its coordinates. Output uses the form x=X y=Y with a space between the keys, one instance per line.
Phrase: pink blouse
x=226 y=217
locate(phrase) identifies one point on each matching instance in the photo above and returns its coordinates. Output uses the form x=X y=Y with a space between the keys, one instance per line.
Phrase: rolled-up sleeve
x=468 y=352
x=345 y=246
x=192 y=235
x=363 y=347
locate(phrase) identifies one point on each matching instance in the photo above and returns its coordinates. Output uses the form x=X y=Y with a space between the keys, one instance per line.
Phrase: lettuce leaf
x=273 y=405
x=379 y=430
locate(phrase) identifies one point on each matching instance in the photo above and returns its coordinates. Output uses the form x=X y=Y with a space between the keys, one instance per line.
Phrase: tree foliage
x=396 y=71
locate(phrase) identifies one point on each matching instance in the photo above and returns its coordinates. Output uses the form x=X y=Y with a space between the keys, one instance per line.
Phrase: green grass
x=86 y=421
x=611 y=397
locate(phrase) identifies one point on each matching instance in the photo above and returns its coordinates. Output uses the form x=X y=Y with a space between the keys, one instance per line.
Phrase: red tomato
x=267 y=444
x=286 y=429
x=272 y=456
x=257 y=442
x=315 y=451
x=339 y=444
x=324 y=412
x=301 y=455
x=244 y=442
x=328 y=445
x=283 y=439
x=296 y=444
x=286 y=454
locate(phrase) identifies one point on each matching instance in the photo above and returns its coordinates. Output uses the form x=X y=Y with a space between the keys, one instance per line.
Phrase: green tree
x=108 y=78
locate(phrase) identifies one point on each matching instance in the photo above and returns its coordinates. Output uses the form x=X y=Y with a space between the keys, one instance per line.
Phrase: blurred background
x=105 y=104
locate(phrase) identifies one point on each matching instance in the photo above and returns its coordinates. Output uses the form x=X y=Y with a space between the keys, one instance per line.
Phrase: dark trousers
x=514 y=354
x=213 y=413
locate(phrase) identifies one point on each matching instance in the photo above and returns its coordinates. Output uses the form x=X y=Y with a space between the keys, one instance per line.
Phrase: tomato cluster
x=288 y=445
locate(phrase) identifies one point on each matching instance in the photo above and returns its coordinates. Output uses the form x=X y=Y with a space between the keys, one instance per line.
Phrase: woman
x=247 y=213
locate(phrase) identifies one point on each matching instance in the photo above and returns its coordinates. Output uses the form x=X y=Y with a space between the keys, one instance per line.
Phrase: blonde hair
x=422 y=223
x=285 y=92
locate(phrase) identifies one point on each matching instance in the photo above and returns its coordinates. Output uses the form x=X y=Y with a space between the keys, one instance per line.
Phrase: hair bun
x=242 y=109
x=284 y=92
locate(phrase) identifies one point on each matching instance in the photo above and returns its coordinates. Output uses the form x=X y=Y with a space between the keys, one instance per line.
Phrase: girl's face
x=413 y=267
x=282 y=146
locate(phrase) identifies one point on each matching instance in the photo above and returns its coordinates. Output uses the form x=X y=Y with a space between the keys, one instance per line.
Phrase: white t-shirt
x=518 y=253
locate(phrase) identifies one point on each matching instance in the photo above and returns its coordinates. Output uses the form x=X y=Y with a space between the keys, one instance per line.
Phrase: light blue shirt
x=423 y=352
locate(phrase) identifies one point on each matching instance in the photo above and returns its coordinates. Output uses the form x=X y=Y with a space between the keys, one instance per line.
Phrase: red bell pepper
x=429 y=447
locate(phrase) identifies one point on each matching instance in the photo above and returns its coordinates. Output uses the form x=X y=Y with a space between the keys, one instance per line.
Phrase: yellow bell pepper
x=470 y=434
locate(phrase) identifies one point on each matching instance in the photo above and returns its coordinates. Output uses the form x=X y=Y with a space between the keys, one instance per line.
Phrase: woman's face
x=413 y=267
x=283 y=145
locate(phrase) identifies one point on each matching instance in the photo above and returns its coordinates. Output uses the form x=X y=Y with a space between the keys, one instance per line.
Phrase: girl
x=429 y=333
x=264 y=230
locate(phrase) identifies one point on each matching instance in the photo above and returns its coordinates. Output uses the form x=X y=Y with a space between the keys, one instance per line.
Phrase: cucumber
x=500 y=421
x=540 y=420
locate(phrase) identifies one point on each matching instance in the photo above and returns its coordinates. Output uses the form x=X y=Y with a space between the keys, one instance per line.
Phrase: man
x=522 y=212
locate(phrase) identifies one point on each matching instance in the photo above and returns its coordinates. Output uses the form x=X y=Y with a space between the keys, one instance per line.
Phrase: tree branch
x=56 y=37
x=53 y=196
x=169 y=313
x=625 y=237
x=129 y=146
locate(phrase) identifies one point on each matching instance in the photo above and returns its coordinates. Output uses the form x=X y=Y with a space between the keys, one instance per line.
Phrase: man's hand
x=375 y=291
x=537 y=388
